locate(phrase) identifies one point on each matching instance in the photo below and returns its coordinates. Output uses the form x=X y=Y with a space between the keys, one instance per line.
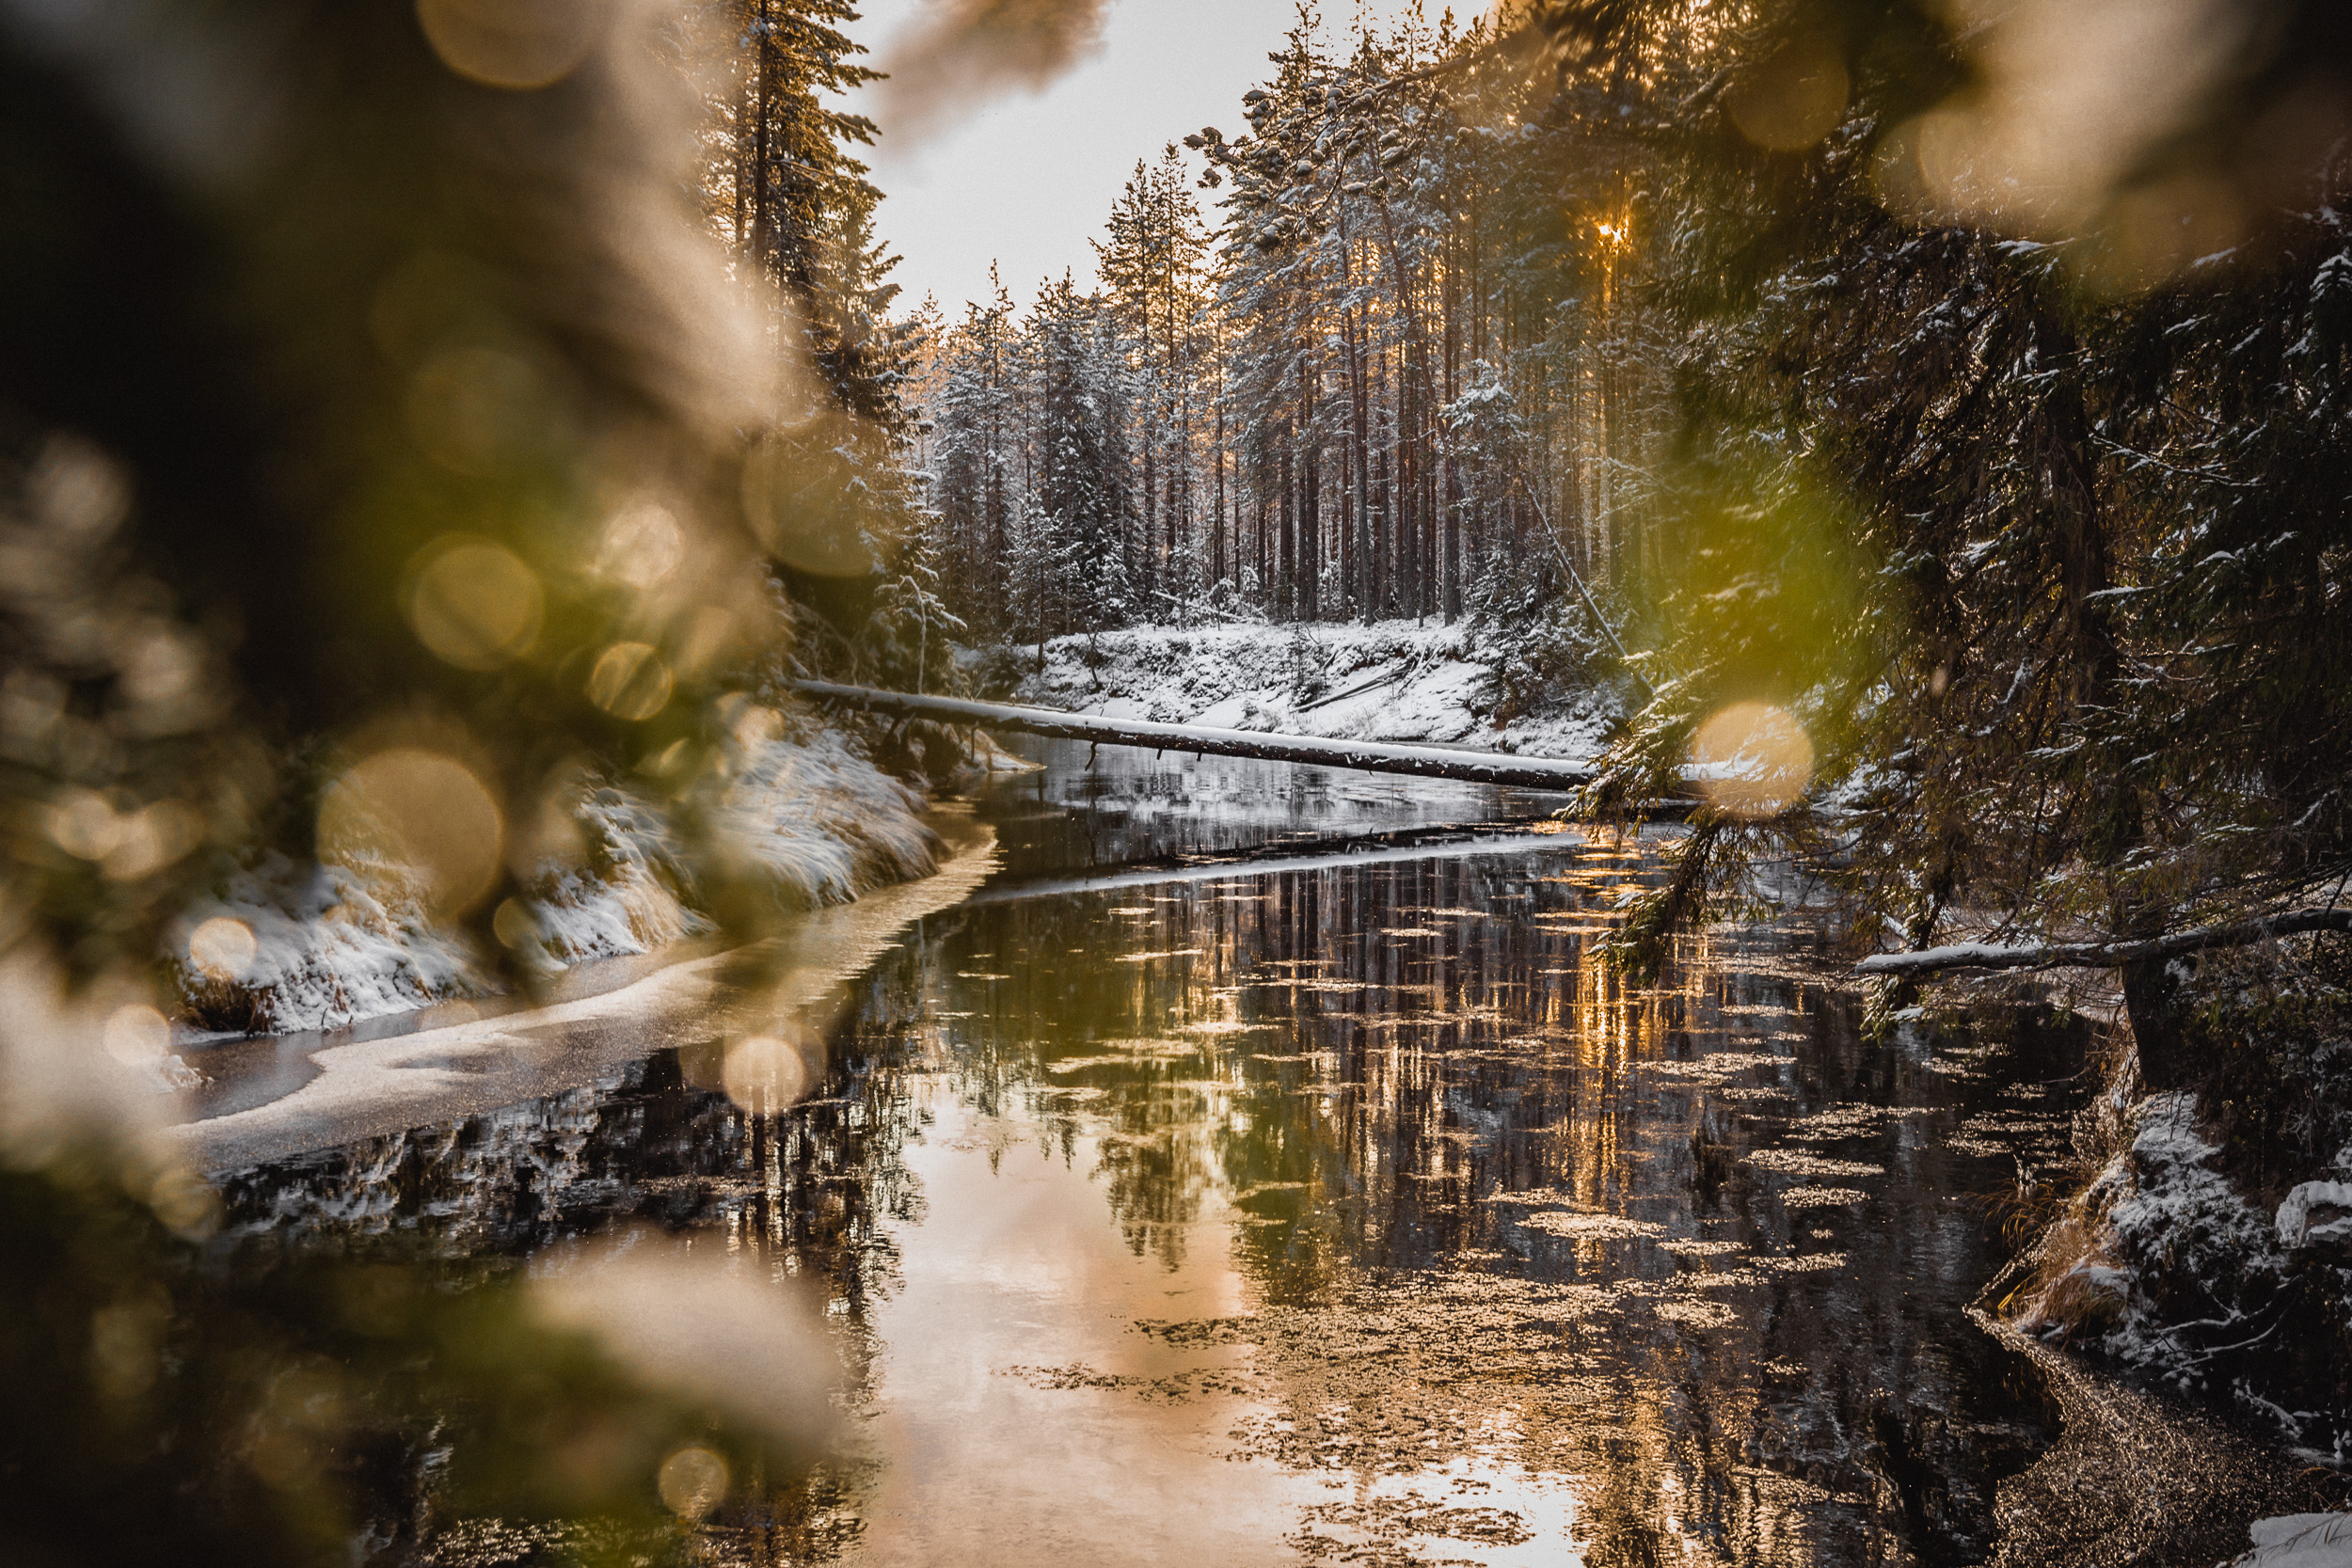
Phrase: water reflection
x=1350 y=1214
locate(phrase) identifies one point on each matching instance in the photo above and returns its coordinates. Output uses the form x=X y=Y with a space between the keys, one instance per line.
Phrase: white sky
x=1027 y=180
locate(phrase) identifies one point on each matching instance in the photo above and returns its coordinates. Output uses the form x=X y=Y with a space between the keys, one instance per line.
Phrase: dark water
x=1343 y=1210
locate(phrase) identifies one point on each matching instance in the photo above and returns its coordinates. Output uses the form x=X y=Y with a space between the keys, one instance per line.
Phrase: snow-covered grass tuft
x=2199 y=1256
x=331 y=945
x=622 y=896
x=821 y=821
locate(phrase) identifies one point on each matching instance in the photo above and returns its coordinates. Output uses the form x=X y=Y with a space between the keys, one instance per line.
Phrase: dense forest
x=1390 y=361
x=2013 y=485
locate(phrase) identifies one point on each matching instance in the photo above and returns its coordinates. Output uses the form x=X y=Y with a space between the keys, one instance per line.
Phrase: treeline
x=1399 y=375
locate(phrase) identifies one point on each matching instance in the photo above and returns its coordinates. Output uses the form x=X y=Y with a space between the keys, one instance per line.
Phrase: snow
x=2296 y=1229
x=821 y=823
x=2182 y=1211
x=2199 y=1262
x=1988 y=955
x=383 y=1087
x=331 y=946
x=2299 y=1540
x=805 y=813
x=1386 y=681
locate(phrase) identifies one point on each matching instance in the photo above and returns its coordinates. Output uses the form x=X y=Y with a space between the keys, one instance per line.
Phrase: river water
x=1262 y=1169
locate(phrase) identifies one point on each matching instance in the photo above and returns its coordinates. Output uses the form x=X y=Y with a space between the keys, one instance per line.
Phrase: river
x=1263 y=1168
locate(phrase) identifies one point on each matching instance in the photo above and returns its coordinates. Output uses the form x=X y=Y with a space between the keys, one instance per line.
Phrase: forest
x=2012 y=488
x=439 y=442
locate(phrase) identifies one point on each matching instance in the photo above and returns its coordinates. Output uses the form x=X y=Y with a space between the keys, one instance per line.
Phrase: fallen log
x=2106 y=955
x=1369 y=756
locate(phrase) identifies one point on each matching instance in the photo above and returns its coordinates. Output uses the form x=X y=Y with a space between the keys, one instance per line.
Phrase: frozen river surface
x=1199 y=1193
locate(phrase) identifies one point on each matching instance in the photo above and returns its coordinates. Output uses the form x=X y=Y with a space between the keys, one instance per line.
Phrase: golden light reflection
x=765 y=1074
x=417 y=819
x=1792 y=99
x=474 y=603
x=1753 y=760
x=516 y=44
x=223 y=948
x=757 y=726
x=631 y=681
x=127 y=844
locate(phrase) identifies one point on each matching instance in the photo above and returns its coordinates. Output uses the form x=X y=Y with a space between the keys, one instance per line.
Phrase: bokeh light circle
x=631 y=681
x=408 y=811
x=516 y=44
x=223 y=948
x=136 y=1034
x=474 y=603
x=693 y=1482
x=765 y=1074
x=643 y=545
x=1753 y=760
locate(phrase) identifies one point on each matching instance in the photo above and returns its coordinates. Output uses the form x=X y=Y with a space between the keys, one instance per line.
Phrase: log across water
x=1369 y=756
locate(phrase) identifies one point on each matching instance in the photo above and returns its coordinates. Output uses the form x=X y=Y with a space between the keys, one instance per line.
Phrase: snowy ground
x=1392 y=680
x=332 y=946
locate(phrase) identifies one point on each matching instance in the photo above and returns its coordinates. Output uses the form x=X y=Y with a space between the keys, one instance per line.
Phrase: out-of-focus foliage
x=166 y=1399
x=388 y=445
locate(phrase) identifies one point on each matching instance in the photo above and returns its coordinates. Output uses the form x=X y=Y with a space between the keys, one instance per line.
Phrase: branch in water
x=2106 y=955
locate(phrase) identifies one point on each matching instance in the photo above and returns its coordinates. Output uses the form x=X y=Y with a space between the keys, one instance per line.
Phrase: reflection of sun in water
x=1753 y=759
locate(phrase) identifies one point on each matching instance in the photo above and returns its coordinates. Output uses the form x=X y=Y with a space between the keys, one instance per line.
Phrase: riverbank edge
x=371 y=1088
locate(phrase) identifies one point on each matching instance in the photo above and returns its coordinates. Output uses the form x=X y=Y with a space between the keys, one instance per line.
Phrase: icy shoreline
x=345 y=1092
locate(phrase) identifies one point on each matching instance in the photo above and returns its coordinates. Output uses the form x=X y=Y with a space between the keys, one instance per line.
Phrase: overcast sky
x=1027 y=180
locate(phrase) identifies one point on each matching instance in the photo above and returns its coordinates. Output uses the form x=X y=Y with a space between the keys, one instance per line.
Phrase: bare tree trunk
x=1310 y=500
x=1286 y=598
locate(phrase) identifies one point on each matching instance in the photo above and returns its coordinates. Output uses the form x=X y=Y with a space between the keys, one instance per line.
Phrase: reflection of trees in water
x=653 y=1143
x=644 y=1146
x=1490 y=1197
x=1749 y=1367
x=812 y=1193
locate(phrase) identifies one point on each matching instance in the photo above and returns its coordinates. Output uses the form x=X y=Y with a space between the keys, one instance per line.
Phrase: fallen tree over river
x=1370 y=756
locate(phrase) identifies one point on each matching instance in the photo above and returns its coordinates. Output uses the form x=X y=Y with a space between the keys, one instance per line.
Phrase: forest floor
x=1388 y=680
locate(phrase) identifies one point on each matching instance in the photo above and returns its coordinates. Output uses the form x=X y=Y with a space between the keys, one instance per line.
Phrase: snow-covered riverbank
x=329 y=945
x=1391 y=680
